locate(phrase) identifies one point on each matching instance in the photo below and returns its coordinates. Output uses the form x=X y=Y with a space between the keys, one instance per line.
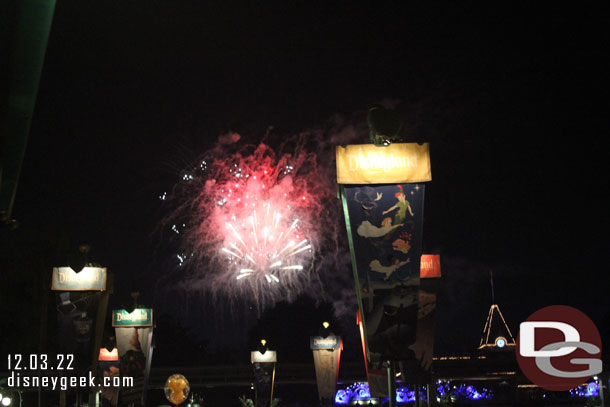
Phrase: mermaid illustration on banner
x=402 y=205
x=367 y=229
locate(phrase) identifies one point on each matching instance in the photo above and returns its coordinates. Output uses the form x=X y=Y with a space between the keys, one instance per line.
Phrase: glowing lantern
x=176 y=389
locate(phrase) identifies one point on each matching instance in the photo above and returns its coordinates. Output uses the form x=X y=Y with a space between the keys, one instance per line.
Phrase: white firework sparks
x=262 y=245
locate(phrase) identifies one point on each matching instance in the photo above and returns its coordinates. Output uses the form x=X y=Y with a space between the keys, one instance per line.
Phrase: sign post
x=134 y=333
x=108 y=366
x=326 y=350
x=263 y=362
x=382 y=193
x=81 y=304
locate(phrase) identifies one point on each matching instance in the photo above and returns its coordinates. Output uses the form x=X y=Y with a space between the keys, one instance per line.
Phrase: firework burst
x=248 y=221
x=271 y=247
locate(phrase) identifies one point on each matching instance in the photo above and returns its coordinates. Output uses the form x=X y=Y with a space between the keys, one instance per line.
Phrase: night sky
x=513 y=100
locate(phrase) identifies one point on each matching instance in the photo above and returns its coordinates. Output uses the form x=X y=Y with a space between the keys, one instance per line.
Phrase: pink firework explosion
x=263 y=244
x=252 y=220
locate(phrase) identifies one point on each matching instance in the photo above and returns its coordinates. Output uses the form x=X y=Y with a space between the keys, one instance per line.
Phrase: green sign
x=139 y=317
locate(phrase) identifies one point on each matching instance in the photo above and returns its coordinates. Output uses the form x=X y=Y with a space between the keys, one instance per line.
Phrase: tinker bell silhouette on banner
x=367 y=197
x=402 y=205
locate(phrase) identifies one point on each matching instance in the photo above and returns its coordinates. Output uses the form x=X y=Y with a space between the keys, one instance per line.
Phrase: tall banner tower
x=326 y=348
x=134 y=334
x=81 y=303
x=382 y=187
x=263 y=364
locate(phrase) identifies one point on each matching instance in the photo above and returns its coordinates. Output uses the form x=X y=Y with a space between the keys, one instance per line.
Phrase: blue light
x=404 y=395
x=362 y=391
x=355 y=392
x=441 y=389
x=592 y=390
x=342 y=397
x=500 y=343
x=359 y=392
x=586 y=390
x=453 y=392
x=472 y=393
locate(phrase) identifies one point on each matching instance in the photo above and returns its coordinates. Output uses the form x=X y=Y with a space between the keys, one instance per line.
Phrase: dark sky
x=513 y=100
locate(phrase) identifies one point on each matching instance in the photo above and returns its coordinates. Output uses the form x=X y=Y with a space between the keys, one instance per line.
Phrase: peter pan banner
x=396 y=163
x=326 y=357
x=134 y=343
x=413 y=371
x=385 y=227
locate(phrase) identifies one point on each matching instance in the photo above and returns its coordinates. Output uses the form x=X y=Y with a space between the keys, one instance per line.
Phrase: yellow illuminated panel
x=396 y=163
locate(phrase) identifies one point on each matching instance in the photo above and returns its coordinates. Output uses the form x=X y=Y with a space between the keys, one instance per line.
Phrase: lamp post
x=263 y=362
x=134 y=333
x=82 y=299
x=326 y=348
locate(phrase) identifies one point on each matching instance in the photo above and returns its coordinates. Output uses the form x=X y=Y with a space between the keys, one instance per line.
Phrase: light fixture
x=324 y=332
x=263 y=346
x=6 y=401
x=384 y=125
x=130 y=306
x=110 y=343
x=500 y=342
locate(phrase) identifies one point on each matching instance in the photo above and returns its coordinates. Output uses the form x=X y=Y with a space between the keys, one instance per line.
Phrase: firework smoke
x=260 y=224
